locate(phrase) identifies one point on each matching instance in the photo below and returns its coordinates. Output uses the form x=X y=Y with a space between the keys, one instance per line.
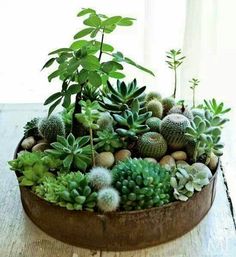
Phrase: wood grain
x=19 y=237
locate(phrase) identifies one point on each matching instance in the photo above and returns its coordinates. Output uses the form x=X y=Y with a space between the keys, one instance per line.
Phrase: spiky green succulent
x=31 y=128
x=141 y=184
x=51 y=127
x=71 y=190
x=173 y=128
x=91 y=93
x=121 y=98
x=187 y=180
x=152 y=95
x=108 y=199
x=75 y=153
x=155 y=107
x=107 y=141
x=131 y=123
x=154 y=124
x=152 y=144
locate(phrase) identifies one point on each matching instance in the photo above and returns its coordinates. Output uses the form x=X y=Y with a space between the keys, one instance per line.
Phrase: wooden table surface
x=215 y=236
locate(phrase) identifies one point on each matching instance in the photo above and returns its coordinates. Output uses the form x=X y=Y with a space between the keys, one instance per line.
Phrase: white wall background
x=31 y=29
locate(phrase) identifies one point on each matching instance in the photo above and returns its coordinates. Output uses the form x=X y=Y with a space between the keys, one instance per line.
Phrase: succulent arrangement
x=116 y=148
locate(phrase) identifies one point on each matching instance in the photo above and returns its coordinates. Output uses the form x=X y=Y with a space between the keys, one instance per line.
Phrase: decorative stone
x=28 y=143
x=213 y=162
x=105 y=159
x=168 y=160
x=122 y=155
x=149 y=159
x=182 y=164
x=179 y=155
x=40 y=147
x=41 y=141
x=198 y=166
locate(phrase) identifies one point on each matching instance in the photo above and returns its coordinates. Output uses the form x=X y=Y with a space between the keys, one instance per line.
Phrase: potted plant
x=118 y=168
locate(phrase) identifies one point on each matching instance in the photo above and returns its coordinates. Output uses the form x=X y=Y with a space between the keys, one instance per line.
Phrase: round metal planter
x=119 y=231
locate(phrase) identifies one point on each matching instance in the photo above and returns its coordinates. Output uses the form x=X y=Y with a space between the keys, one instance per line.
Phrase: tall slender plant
x=194 y=83
x=174 y=60
x=81 y=65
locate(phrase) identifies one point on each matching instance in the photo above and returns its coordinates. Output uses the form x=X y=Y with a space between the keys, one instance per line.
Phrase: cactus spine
x=108 y=199
x=100 y=177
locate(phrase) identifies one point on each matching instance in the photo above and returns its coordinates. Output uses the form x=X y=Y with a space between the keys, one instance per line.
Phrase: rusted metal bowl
x=119 y=231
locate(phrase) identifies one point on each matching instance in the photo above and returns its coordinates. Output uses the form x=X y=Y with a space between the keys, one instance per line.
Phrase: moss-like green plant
x=141 y=184
x=75 y=153
x=71 y=191
x=108 y=199
x=100 y=177
x=31 y=128
x=108 y=141
x=51 y=127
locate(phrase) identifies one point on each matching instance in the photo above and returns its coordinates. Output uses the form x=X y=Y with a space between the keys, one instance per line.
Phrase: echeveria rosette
x=74 y=153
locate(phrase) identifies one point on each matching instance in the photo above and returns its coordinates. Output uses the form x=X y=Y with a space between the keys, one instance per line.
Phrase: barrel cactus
x=152 y=144
x=167 y=104
x=152 y=95
x=182 y=110
x=141 y=184
x=100 y=177
x=108 y=199
x=154 y=124
x=155 y=107
x=173 y=128
x=51 y=127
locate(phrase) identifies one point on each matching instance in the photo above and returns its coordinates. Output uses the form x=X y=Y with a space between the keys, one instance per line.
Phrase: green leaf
x=83 y=76
x=26 y=182
x=90 y=62
x=74 y=89
x=60 y=50
x=48 y=63
x=110 y=28
x=68 y=161
x=107 y=48
x=83 y=33
x=116 y=75
x=95 y=79
x=93 y=21
x=53 y=106
x=131 y=62
x=125 y=22
x=78 y=44
x=85 y=11
x=67 y=101
x=94 y=33
x=55 y=74
x=111 y=21
x=52 y=98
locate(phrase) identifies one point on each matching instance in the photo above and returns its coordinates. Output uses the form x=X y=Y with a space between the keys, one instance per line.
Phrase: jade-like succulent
x=173 y=128
x=152 y=144
x=51 y=127
x=154 y=124
x=34 y=167
x=31 y=128
x=152 y=95
x=75 y=153
x=108 y=141
x=121 y=98
x=71 y=190
x=100 y=177
x=132 y=123
x=216 y=109
x=182 y=109
x=108 y=199
x=155 y=107
x=67 y=116
x=187 y=180
x=105 y=121
x=167 y=104
x=141 y=184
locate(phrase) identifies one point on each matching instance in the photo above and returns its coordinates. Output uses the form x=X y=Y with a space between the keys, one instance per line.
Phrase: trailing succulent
x=141 y=184
x=120 y=99
x=74 y=153
x=187 y=180
x=71 y=190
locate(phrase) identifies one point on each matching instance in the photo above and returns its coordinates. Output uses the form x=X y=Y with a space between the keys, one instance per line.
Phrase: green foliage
x=100 y=177
x=71 y=191
x=123 y=97
x=34 y=167
x=194 y=83
x=132 y=123
x=81 y=65
x=108 y=141
x=187 y=180
x=141 y=184
x=173 y=128
x=152 y=144
x=174 y=60
x=75 y=153
x=108 y=199
x=31 y=128
x=105 y=121
x=91 y=93
x=51 y=127
x=215 y=108
x=155 y=107
x=67 y=115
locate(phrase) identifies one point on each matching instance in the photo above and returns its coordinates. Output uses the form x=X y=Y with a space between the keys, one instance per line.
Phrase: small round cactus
x=154 y=124
x=156 y=108
x=108 y=199
x=182 y=110
x=100 y=177
x=152 y=95
x=105 y=121
x=51 y=127
x=167 y=104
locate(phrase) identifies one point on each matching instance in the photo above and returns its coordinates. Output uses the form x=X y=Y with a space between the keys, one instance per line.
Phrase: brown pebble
x=179 y=155
x=28 y=143
x=40 y=147
x=168 y=160
x=122 y=155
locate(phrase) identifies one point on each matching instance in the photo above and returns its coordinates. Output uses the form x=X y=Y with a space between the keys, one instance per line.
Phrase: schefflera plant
x=81 y=64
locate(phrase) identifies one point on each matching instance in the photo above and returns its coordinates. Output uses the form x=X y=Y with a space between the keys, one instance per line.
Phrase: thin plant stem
x=92 y=146
x=175 y=88
x=101 y=45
